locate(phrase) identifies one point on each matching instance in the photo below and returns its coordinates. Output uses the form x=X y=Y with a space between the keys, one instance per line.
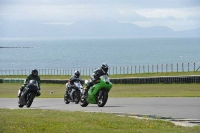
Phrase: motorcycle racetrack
x=181 y=110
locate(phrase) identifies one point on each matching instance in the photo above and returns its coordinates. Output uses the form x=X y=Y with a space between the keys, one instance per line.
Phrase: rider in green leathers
x=32 y=76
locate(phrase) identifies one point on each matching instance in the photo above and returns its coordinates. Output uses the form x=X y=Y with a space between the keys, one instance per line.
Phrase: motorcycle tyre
x=77 y=99
x=65 y=100
x=19 y=105
x=30 y=100
x=104 y=99
x=83 y=102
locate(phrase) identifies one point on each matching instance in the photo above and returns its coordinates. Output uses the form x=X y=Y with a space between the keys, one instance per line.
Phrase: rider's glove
x=38 y=93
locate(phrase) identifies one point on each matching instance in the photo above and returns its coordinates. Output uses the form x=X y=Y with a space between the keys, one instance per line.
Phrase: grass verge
x=52 y=121
x=9 y=90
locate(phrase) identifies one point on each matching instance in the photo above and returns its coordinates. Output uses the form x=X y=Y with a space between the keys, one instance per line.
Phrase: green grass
x=9 y=90
x=111 y=76
x=52 y=121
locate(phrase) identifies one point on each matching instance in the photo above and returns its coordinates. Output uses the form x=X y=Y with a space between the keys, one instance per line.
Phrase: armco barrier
x=157 y=80
x=144 y=80
x=13 y=80
x=54 y=81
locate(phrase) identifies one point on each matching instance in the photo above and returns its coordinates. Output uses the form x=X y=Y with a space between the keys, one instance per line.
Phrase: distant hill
x=87 y=29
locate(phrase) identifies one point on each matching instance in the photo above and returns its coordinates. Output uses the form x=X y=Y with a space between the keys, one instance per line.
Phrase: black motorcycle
x=73 y=93
x=28 y=94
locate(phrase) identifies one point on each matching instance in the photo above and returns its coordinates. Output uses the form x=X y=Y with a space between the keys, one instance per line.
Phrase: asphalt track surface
x=188 y=108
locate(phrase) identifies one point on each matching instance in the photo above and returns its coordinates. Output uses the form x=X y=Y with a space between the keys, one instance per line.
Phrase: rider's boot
x=86 y=91
x=19 y=93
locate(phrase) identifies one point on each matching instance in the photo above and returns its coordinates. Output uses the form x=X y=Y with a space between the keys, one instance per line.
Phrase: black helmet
x=104 y=68
x=34 y=72
x=77 y=74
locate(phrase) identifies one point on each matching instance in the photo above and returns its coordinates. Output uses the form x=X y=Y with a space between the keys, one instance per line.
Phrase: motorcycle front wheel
x=83 y=101
x=30 y=98
x=65 y=99
x=102 y=98
x=77 y=97
x=20 y=105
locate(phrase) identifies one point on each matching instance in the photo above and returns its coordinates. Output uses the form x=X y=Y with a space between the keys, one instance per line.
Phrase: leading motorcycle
x=28 y=94
x=73 y=93
x=98 y=93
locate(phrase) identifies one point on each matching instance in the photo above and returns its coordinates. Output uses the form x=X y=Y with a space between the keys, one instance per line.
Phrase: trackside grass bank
x=9 y=90
x=52 y=121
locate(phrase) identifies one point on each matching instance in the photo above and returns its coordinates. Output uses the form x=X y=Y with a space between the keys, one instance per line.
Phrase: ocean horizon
x=52 y=53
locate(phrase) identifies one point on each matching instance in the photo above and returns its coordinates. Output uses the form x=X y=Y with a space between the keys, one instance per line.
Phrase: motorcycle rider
x=32 y=76
x=95 y=77
x=74 y=78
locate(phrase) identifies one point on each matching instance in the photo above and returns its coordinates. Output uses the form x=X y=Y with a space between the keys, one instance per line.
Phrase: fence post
x=182 y=68
x=194 y=67
x=148 y=68
x=143 y=69
x=152 y=68
x=139 y=69
x=177 y=67
x=171 y=67
x=135 y=69
x=162 y=68
x=131 y=69
x=157 y=68
x=188 y=67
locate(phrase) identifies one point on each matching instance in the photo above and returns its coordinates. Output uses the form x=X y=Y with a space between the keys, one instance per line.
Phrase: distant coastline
x=16 y=47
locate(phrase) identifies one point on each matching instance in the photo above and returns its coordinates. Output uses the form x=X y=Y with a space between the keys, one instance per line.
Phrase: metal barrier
x=144 y=80
x=179 y=67
x=13 y=80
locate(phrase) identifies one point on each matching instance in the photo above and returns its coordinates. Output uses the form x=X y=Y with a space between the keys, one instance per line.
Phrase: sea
x=72 y=53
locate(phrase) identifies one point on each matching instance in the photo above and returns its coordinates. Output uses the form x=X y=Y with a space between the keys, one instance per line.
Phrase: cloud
x=167 y=12
x=177 y=19
x=144 y=13
x=57 y=23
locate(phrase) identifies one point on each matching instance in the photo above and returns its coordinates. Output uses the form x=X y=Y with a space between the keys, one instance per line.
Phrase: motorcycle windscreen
x=105 y=78
x=33 y=85
x=78 y=84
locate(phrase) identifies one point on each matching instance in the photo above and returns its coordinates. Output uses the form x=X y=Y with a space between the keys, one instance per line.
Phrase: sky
x=175 y=14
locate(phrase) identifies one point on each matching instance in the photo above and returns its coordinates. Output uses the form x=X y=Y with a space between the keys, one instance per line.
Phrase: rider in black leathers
x=74 y=78
x=96 y=76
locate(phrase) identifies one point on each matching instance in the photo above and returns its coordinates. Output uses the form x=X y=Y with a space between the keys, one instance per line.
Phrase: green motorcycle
x=98 y=93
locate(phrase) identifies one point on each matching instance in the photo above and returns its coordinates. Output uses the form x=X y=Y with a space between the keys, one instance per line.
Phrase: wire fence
x=161 y=68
